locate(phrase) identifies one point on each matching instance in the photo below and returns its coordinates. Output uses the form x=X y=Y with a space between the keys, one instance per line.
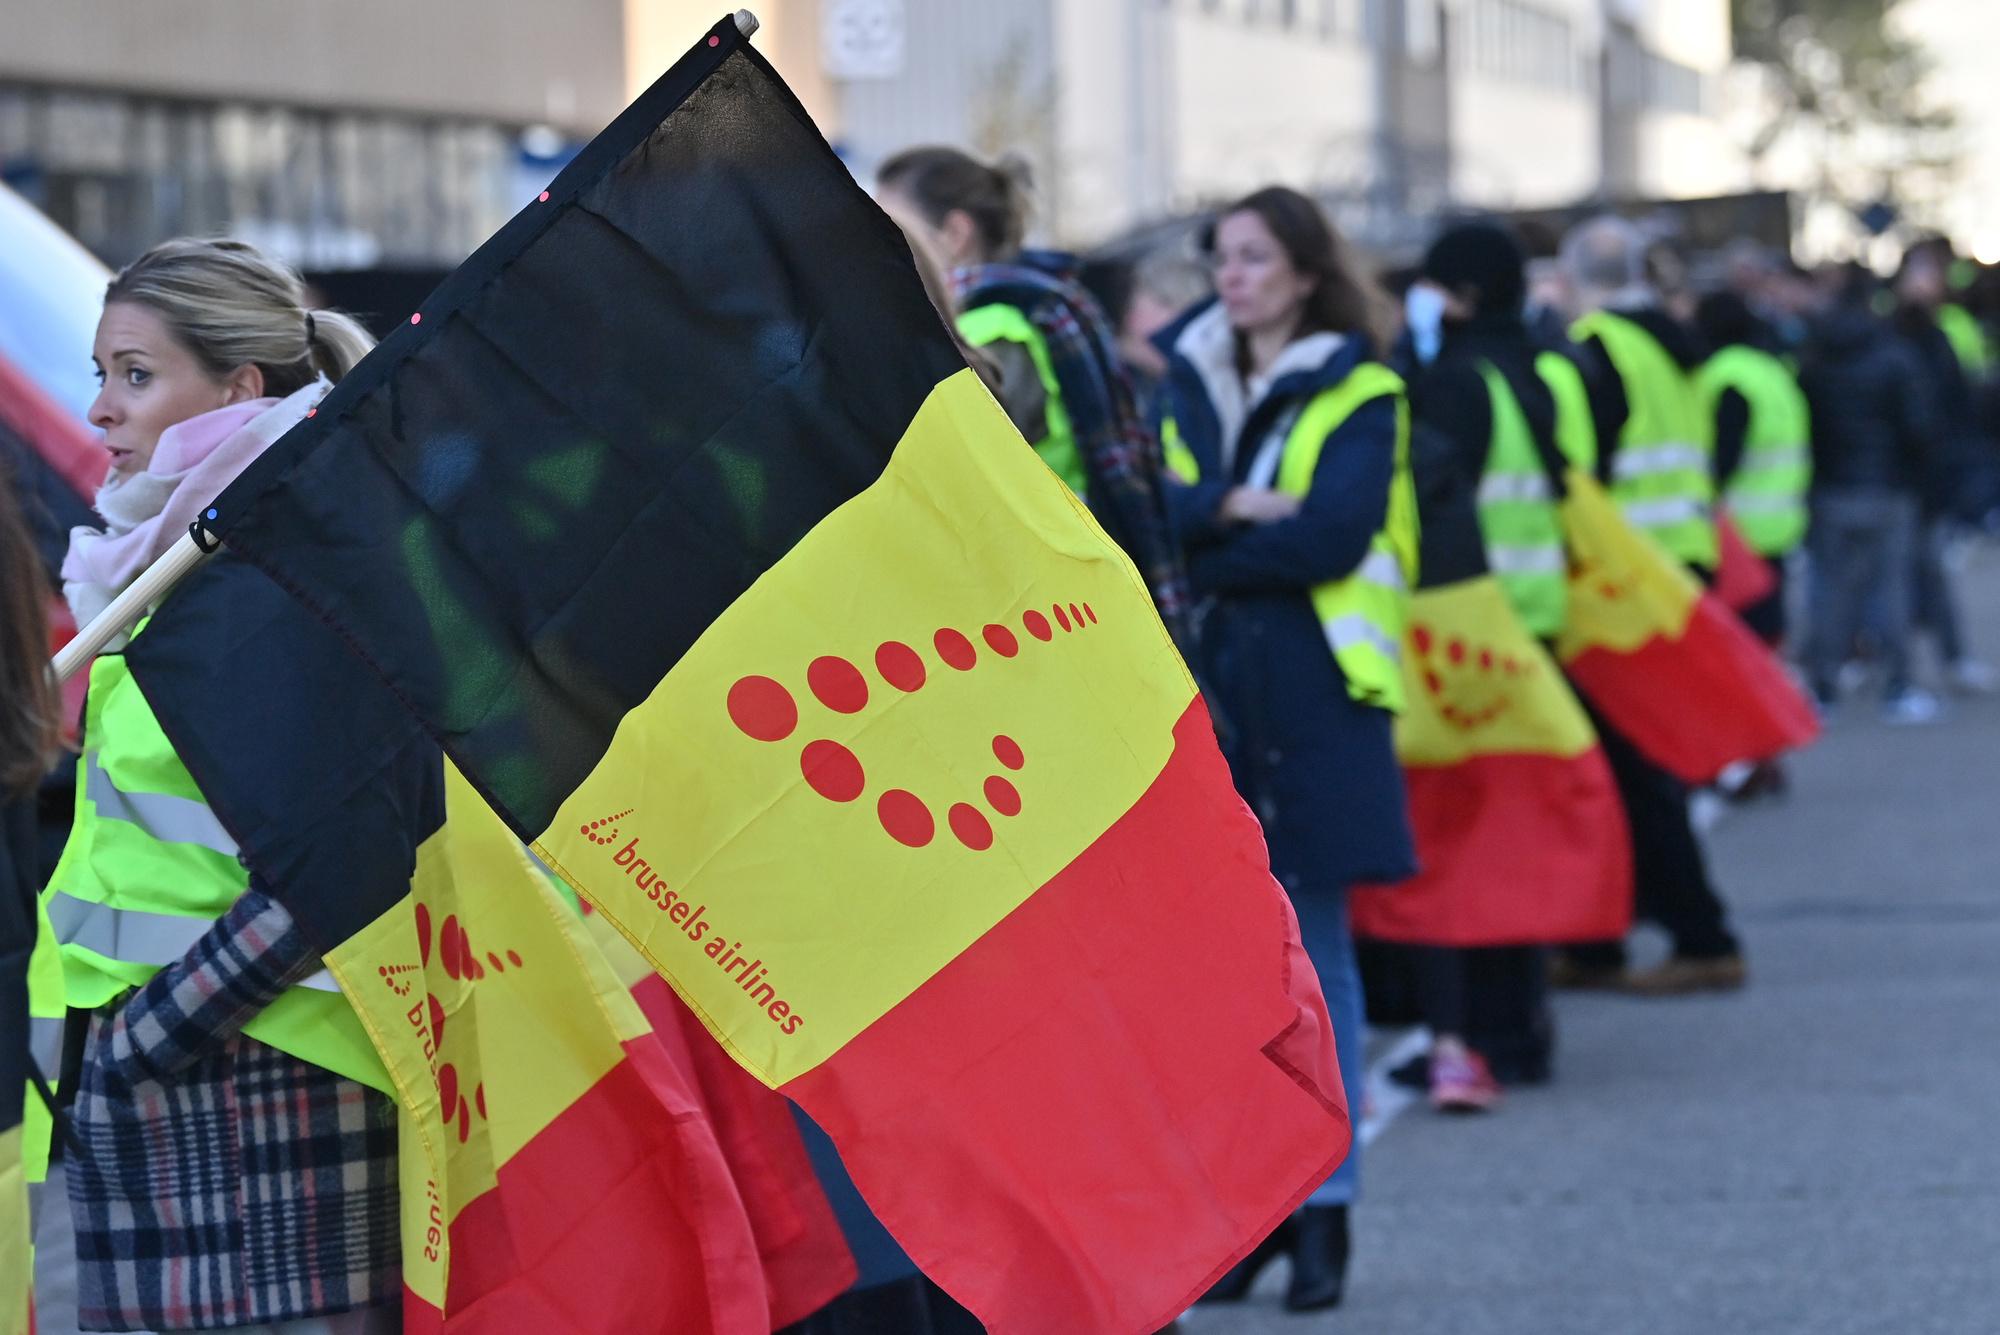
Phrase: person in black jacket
x=1606 y=259
x=1951 y=466
x=1492 y=1000
x=1873 y=419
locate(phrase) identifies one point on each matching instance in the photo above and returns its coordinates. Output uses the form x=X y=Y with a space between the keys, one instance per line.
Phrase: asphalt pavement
x=1813 y=1154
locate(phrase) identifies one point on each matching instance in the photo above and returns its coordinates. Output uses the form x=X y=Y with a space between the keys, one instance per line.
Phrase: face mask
x=1423 y=310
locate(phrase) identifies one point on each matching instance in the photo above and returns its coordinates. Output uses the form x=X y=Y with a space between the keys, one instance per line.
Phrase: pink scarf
x=148 y=512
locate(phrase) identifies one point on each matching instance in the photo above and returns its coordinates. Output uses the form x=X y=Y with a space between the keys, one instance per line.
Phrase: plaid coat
x=226 y=1183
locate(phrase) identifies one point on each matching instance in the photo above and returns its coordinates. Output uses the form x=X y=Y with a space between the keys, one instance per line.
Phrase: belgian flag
x=1520 y=835
x=677 y=519
x=560 y=1170
x=1662 y=659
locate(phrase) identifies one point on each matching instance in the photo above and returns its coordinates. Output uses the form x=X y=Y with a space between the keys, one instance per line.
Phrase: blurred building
x=1390 y=109
x=390 y=135
x=344 y=135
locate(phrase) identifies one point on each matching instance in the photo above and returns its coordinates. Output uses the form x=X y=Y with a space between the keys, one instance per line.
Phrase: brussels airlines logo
x=458 y=1095
x=605 y=830
x=765 y=710
x=1472 y=682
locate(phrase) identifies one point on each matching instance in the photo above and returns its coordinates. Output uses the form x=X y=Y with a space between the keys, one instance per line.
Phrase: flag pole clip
x=203 y=536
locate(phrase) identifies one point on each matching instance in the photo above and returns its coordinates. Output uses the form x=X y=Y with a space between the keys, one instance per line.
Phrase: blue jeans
x=1329 y=945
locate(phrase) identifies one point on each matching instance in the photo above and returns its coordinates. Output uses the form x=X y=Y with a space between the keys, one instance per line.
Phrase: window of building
x=324 y=189
x=1668 y=85
x=1521 y=42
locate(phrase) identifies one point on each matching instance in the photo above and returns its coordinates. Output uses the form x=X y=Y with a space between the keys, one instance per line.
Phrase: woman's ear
x=243 y=384
x=960 y=235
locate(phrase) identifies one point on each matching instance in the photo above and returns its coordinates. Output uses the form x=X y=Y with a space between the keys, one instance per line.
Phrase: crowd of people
x=1286 y=452
x=1296 y=430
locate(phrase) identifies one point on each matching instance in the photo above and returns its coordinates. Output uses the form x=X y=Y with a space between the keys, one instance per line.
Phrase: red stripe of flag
x=1076 y=1057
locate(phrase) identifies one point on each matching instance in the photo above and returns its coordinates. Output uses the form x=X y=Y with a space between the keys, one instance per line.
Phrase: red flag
x=799 y=1241
x=1742 y=578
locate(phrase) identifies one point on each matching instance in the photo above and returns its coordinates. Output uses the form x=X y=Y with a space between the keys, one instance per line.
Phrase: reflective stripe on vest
x=1515 y=488
x=1660 y=475
x=1519 y=524
x=170 y=819
x=996 y=321
x=1666 y=457
x=1767 y=493
x=133 y=935
x=148 y=869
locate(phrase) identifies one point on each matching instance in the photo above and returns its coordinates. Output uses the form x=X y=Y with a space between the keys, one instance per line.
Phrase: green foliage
x=1843 y=65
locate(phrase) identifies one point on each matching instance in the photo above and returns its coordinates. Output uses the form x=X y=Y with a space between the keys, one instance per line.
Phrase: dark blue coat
x=1318 y=767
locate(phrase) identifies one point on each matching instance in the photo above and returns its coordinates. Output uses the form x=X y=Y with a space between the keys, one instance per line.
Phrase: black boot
x=1236 y=1282
x=1319 y=1259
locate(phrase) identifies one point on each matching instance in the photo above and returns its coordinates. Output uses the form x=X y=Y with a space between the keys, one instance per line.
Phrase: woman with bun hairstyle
x=1061 y=380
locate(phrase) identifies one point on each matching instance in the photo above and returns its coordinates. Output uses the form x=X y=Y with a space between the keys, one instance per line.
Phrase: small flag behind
x=1662 y=660
x=1520 y=835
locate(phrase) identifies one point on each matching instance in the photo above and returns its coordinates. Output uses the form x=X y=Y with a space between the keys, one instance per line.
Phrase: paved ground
x=1815 y=1155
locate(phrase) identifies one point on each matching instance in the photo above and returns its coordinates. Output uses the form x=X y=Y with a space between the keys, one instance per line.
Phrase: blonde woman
x=240 y=1165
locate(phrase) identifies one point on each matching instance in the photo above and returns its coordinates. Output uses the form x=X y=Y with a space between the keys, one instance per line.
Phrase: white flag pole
x=128 y=607
x=746 y=22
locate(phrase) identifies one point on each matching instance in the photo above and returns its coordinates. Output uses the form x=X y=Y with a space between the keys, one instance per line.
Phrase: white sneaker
x=1912 y=707
x=1969 y=676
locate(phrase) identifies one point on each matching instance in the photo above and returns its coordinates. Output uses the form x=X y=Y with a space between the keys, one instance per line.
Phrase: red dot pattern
x=1464 y=657
x=906 y=818
x=900 y=665
x=833 y=771
x=955 y=649
x=972 y=828
x=1003 y=796
x=763 y=709
x=838 y=684
x=460 y=961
